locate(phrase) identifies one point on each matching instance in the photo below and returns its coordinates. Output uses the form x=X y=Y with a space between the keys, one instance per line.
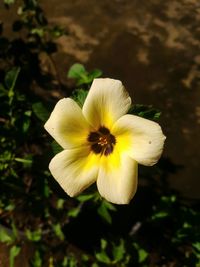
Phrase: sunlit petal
x=141 y=138
x=106 y=102
x=67 y=125
x=102 y=143
x=117 y=178
x=75 y=169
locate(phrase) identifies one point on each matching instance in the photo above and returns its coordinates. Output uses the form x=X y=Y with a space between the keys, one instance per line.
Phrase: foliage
x=81 y=75
x=14 y=251
x=147 y=112
x=85 y=231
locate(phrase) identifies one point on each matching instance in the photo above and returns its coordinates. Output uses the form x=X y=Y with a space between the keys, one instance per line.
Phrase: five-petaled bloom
x=101 y=143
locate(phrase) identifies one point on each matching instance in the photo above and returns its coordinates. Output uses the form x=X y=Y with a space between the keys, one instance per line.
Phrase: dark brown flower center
x=102 y=141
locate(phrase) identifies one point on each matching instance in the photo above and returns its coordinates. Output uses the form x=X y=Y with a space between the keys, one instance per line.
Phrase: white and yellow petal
x=107 y=101
x=67 y=124
x=141 y=138
x=75 y=169
x=117 y=178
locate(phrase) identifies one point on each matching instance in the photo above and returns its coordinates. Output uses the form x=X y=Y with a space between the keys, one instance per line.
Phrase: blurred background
x=153 y=47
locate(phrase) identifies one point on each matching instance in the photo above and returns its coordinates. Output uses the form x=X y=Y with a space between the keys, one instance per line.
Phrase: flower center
x=102 y=141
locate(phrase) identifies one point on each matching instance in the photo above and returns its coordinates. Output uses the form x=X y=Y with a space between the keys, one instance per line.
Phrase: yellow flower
x=101 y=143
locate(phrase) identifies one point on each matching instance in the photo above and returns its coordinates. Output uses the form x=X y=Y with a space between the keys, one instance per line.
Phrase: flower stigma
x=102 y=141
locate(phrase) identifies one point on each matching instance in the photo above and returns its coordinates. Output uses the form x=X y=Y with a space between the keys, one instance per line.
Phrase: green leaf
x=26 y=125
x=79 y=95
x=103 y=244
x=142 y=255
x=95 y=74
x=37 y=260
x=76 y=71
x=168 y=199
x=6 y=237
x=14 y=251
x=69 y=261
x=14 y=230
x=65 y=262
x=147 y=112
x=60 y=203
x=10 y=81
x=196 y=246
x=27 y=162
x=10 y=207
x=85 y=257
x=58 y=231
x=11 y=78
x=103 y=211
x=51 y=262
x=159 y=215
x=103 y=257
x=109 y=206
x=34 y=236
x=119 y=251
x=47 y=190
x=57 y=31
x=79 y=73
x=9 y=2
x=72 y=261
x=74 y=212
x=38 y=31
x=40 y=111
x=84 y=198
x=26 y=121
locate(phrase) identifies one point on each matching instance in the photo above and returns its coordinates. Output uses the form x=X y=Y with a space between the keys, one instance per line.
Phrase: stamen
x=102 y=141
